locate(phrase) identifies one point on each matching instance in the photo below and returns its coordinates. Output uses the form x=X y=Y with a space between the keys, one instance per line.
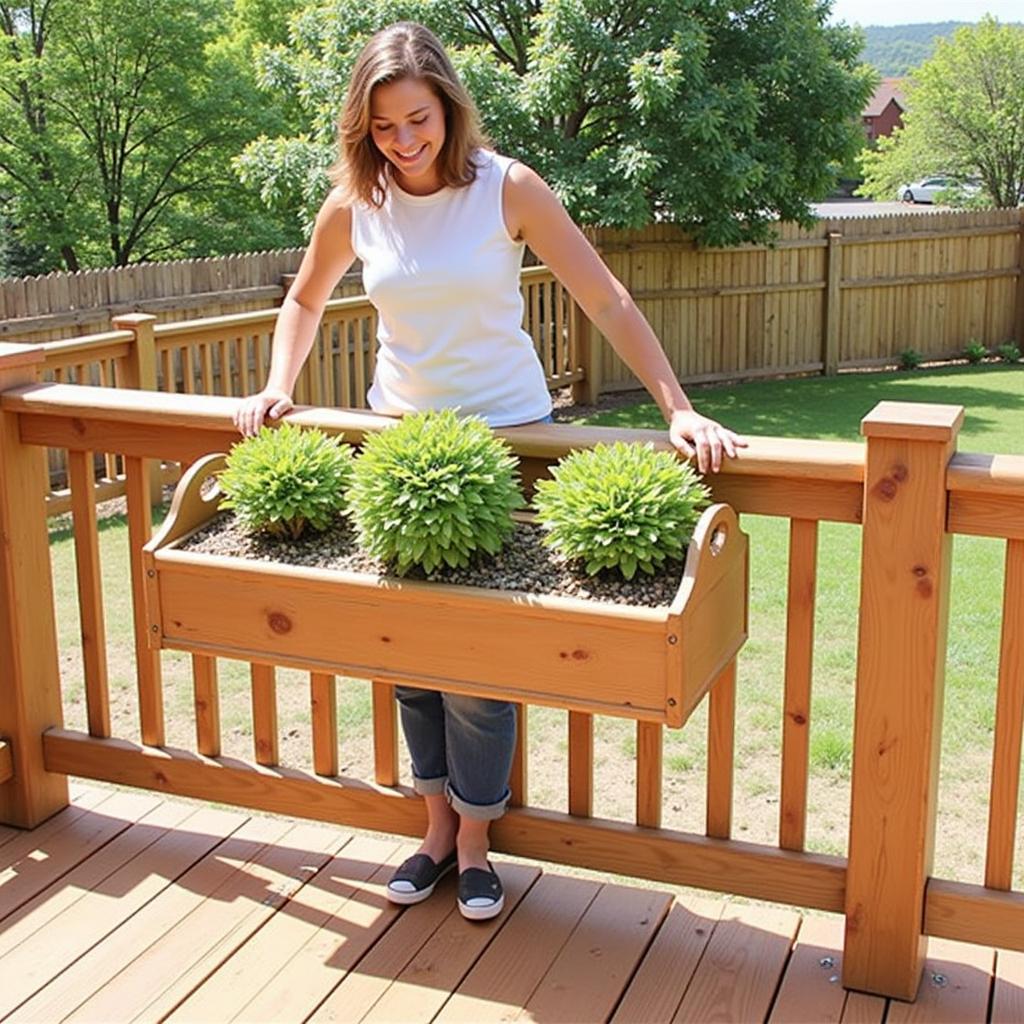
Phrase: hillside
x=895 y=49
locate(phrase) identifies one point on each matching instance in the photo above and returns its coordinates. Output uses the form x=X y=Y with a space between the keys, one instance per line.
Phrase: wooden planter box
x=645 y=663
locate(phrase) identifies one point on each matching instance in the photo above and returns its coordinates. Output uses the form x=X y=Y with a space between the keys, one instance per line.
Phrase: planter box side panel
x=606 y=665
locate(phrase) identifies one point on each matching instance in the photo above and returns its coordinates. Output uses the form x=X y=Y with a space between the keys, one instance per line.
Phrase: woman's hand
x=692 y=434
x=272 y=402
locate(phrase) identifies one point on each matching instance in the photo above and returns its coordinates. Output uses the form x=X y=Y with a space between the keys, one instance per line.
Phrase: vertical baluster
x=260 y=354
x=239 y=375
x=324 y=711
x=519 y=780
x=649 y=750
x=81 y=374
x=581 y=764
x=360 y=365
x=207 y=704
x=107 y=378
x=721 y=743
x=536 y=328
x=803 y=559
x=169 y=384
x=347 y=334
x=558 y=328
x=371 y=335
x=188 y=370
x=264 y=713
x=206 y=369
x=330 y=341
x=1009 y=726
x=90 y=592
x=385 y=734
x=225 y=368
x=140 y=528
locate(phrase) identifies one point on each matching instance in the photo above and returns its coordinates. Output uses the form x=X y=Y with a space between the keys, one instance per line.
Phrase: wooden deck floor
x=126 y=906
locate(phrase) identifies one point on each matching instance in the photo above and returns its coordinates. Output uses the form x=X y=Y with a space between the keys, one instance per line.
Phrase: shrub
x=434 y=490
x=621 y=507
x=910 y=359
x=284 y=479
x=1009 y=352
x=975 y=351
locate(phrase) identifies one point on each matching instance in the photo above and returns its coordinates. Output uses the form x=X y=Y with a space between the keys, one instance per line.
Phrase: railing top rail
x=986 y=474
x=207 y=323
x=84 y=344
x=766 y=457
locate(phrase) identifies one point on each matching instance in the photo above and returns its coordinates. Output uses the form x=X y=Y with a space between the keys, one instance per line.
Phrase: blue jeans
x=460 y=746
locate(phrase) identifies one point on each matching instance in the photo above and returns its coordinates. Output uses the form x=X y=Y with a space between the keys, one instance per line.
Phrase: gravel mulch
x=524 y=564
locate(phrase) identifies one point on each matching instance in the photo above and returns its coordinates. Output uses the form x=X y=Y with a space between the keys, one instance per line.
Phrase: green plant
x=620 y=506
x=975 y=351
x=1009 y=352
x=284 y=479
x=910 y=359
x=434 y=490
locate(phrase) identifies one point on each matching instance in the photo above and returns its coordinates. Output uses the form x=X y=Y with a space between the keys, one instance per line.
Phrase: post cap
x=125 y=321
x=913 y=421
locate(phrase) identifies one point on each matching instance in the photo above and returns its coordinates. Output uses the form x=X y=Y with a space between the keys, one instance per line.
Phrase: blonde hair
x=403 y=50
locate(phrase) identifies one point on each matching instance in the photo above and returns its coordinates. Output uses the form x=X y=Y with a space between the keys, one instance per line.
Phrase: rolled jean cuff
x=481 y=812
x=430 y=787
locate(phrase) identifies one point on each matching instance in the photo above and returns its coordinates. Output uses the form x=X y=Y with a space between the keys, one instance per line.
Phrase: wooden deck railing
x=230 y=355
x=907 y=490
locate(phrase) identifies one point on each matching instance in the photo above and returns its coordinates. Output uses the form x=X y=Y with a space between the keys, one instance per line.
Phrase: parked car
x=927 y=189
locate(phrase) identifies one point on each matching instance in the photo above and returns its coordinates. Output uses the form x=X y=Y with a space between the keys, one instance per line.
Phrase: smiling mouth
x=410 y=156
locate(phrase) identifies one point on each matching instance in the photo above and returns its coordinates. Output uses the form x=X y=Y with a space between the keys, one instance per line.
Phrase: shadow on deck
x=126 y=906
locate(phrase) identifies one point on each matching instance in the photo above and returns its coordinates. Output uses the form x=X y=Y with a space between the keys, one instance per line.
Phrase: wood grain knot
x=279 y=622
x=798 y=719
x=900 y=473
x=577 y=655
x=385 y=639
x=78 y=426
x=886 y=488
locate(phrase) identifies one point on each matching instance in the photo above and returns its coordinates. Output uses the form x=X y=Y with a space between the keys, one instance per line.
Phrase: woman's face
x=407 y=126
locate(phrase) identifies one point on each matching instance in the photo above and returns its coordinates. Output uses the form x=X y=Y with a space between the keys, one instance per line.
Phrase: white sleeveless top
x=443 y=274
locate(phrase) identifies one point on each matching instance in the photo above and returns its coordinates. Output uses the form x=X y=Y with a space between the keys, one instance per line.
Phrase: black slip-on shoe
x=480 y=894
x=416 y=877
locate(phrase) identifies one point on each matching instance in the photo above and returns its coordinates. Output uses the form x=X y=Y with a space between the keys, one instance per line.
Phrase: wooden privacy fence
x=230 y=356
x=907 y=490
x=846 y=293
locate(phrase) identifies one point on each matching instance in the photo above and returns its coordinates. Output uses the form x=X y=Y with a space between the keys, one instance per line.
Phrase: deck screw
x=150 y=573
x=939 y=980
x=154 y=629
x=827 y=962
x=672 y=638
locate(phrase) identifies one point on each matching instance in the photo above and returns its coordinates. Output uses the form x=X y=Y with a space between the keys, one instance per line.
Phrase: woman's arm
x=327 y=258
x=534 y=214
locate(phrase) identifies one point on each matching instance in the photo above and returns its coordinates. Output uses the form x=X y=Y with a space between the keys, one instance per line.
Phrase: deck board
x=742 y=966
x=510 y=969
x=127 y=907
x=1008 y=994
x=660 y=983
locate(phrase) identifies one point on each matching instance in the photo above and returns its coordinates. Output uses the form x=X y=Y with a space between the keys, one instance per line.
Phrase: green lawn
x=813 y=407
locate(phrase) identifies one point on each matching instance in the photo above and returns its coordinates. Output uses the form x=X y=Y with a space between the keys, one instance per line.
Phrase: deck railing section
x=230 y=355
x=906 y=488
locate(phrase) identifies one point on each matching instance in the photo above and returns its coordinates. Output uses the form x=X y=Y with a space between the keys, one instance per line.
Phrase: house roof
x=888 y=89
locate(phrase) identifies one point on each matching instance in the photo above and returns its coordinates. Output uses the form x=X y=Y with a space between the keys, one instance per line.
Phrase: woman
x=440 y=221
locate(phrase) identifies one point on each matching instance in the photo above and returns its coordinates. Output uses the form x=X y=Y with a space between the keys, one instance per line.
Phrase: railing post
x=29 y=672
x=140 y=372
x=588 y=353
x=901 y=653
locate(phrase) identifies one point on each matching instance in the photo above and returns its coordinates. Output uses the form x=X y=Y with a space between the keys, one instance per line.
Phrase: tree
x=722 y=116
x=118 y=123
x=965 y=117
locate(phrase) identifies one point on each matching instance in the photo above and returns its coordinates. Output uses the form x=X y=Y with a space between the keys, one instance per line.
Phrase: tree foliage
x=895 y=50
x=118 y=123
x=965 y=117
x=719 y=115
